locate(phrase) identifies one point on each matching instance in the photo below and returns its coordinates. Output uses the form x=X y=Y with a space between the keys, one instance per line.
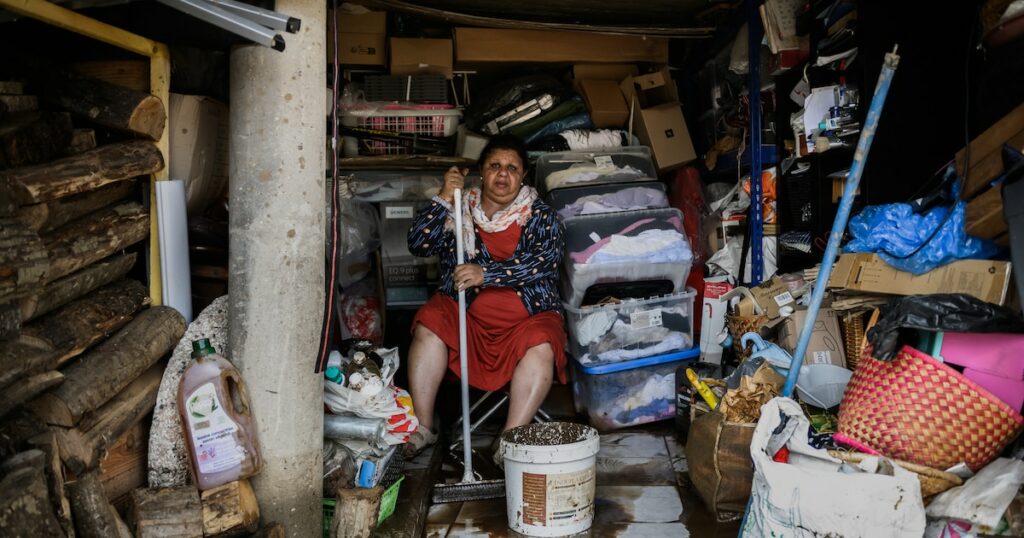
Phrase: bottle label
x=213 y=431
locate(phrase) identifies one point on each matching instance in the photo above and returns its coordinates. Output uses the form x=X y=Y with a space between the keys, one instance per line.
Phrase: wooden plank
x=230 y=509
x=1003 y=240
x=166 y=513
x=131 y=74
x=993 y=137
x=985 y=215
x=989 y=167
x=124 y=467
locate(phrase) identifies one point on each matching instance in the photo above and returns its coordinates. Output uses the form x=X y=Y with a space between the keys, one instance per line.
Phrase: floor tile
x=640 y=530
x=677 y=452
x=633 y=445
x=642 y=504
x=635 y=471
x=444 y=513
x=436 y=530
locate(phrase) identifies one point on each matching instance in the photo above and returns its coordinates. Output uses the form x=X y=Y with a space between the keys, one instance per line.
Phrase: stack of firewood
x=81 y=351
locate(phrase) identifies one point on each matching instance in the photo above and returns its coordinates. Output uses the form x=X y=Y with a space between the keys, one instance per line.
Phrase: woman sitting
x=513 y=245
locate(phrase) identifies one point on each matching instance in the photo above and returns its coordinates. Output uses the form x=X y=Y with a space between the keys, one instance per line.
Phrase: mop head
x=468 y=491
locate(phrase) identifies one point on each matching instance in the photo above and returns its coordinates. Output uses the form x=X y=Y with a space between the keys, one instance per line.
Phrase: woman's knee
x=421 y=334
x=540 y=356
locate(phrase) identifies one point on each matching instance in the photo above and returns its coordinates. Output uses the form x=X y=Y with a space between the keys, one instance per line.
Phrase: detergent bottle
x=217 y=419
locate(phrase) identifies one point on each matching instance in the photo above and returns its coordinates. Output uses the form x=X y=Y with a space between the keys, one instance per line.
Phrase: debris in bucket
x=548 y=434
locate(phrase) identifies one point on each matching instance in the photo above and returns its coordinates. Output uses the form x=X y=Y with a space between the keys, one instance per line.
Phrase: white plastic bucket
x=550 y=474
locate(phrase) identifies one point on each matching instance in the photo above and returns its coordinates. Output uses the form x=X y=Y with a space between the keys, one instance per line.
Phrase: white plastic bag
x=392 y=404
x=817 y=495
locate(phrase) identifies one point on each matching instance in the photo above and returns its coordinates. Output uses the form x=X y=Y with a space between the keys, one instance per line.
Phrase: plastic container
x=581 y=234
x=623 y=331
x=397 y=185
x=628 y=393
x=622 y=165
x=219 y=427
x=550 y=477
x=822 y=385
x=560 y=199
x=428 y=120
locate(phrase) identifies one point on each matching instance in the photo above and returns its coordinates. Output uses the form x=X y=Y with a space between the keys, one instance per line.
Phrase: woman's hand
x=453 y=179
x=468 y=275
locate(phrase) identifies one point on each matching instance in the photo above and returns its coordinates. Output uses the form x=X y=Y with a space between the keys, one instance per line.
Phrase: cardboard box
x=713 y=317
x=658 y=118
x=615 y=72
x=605 y=103
x=417 y=56
x=826 y=344
x=987 y=280
x=362 y=38
x=495 y=45
x=771 y=295
x=400 y=268
x=198 y=147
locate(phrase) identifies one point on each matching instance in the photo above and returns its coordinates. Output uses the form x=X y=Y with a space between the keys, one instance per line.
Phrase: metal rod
x=845 y=206
x=366 y=429
x=467 y=475
x=223 y=19
x=265 y=17
x=756 y=216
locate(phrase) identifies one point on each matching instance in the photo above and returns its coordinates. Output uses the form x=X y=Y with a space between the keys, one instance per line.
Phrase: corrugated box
x=826 y=344
x=416 y=56
x=605 y=103
x=198 y=140
x=362 y=38
x=494 y=45
x=987 y=280
x=658 y=116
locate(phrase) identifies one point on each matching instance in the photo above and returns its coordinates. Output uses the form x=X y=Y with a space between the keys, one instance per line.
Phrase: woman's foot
x=418 y=441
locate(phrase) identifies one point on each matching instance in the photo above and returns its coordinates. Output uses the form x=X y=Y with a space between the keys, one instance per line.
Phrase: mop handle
x=467 y=475
x=842 y=216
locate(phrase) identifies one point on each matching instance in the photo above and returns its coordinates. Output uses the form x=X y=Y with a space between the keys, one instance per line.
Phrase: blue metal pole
x=845 y=206
x=755 y=33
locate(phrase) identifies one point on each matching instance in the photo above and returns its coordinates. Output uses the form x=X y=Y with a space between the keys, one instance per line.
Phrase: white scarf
x=519 y=211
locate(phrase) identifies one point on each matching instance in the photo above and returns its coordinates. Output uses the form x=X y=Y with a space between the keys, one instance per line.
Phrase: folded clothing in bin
x=597 y=199
x=576 y=168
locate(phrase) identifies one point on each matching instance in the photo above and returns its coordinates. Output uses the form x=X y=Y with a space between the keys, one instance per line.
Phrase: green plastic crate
x=387 y=506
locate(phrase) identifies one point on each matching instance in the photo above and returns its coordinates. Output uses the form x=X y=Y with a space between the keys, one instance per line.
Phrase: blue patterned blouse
x=532 y=271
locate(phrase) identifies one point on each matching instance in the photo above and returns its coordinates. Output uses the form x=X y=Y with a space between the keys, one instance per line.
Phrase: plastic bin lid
x=619 y=366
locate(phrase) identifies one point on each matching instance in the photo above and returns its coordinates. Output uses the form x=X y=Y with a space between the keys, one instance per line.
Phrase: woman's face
x=503 y=174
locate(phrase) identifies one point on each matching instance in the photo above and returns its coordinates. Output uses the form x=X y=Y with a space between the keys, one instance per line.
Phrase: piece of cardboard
x=362 y=38
x=712 y=314
x=772 y=295
x=419 y=56
x=604 y=102
x=987 y=280
x=826 y=344
x=498 y=45
x=616 y=72
x=198 y=147
x=658 y=118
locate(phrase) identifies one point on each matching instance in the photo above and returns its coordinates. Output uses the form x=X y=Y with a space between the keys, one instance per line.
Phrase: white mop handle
x=467 y=475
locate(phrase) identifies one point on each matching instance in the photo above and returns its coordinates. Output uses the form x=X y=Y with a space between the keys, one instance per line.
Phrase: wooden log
x=107 y=104
x=81 y=323
x=23 y=260
x=82 y=140
x=75 y=285
x=25 y=508
x=47 y=216
x=55 y=479
x=94 y=516
x=85 y=171
x=82 y=448
x=92 y=238
x=230 y=509
x=131 y=74
x=11 y=87
x=19 y=103
x=33 y=137
x=166 y=513
x=355 y=515
x=10 y=193
x=23 y=357
x=123 y=467
x=10 y=321
x=106 y=370
x=24 y=390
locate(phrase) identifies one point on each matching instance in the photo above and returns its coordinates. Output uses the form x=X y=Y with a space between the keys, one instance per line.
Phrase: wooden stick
x=230 y=509
x=33 y=137
x=24 y=260
x=81 y=323
x=47 y=216
x=47 y=442
x=26 y=389
x=107 y=104
x=102 y=373
x=94 y=516
x=85 y=171
x=25 y=508
x=166 y=513
x=82 y=448
x=75 y=285
x=92 y=238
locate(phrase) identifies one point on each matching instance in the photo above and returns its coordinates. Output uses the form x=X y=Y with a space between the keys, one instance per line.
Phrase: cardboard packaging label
x=987 y=280
x=826 y=344
x=362 y=38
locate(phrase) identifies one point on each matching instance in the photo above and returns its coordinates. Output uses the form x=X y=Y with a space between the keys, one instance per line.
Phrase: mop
x=471 y=488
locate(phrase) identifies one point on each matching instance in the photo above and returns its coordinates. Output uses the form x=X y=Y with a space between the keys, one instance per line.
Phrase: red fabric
x=499 y=330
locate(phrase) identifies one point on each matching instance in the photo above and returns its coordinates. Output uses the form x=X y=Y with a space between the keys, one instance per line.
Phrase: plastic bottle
x=217 y=418
x=333 y=371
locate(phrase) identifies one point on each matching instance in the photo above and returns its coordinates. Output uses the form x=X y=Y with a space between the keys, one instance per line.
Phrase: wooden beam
x=166 y=513
x=985 y=215
x=66 y=289
x=230 y=509
x=123 y=468
x=94 y=515
x=80 y=24
x=94 y=237
x=102 y=373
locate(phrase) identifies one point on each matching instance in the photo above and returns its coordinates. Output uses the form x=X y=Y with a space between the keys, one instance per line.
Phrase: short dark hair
x=504 y=141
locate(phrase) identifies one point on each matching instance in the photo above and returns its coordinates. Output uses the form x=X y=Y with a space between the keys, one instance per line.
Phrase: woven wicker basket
x=916 y=409
x=740 y=325
x=933 y=481
x=853 y=336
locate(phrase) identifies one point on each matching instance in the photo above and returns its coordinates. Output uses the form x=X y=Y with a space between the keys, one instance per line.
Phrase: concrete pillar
x=277 y=259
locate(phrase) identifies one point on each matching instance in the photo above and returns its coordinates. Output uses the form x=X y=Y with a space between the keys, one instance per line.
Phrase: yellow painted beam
x=159 y=85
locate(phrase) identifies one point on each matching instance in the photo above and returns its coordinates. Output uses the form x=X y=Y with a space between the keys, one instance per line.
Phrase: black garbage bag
x=955 y=312
x=534 y=94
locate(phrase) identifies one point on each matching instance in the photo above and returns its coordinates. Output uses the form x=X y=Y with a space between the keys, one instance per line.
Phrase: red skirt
x=499 y=330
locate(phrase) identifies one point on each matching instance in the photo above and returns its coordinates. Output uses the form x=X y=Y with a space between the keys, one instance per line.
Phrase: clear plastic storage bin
x=576 y=168
x=586 y=263
x=631 y=329
x=560 y=200
x=629 y=393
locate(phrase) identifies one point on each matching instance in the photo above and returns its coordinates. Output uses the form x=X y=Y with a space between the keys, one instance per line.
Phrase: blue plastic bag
x=894 y=231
